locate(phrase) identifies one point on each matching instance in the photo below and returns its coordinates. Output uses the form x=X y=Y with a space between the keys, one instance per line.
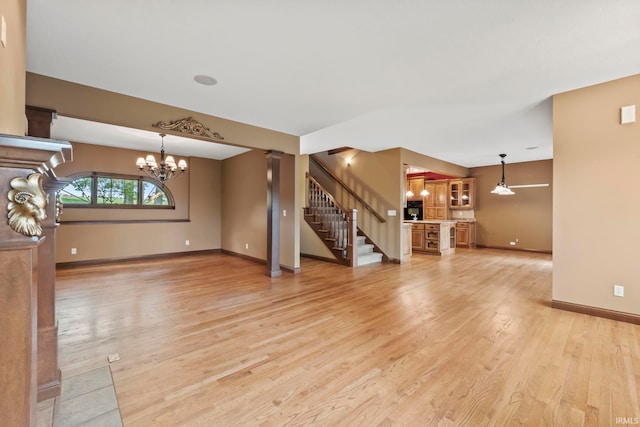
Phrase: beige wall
x=310 y=244
x=596 y=171
x=13 y=68
x=525 y=216
x=431 y=164
x=244 y=207
x=83 y=102
x=89 y=158
x=197 y=197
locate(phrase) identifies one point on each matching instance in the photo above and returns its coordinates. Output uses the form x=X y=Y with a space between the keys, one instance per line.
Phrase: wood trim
x=321 y=258
x=510 y=248
x=123 y=221
x=597 y=311
x=291 y=269
x=50 y=389
x=259 y=261
x=338 y=150
x=64 y=265
x=72 y=264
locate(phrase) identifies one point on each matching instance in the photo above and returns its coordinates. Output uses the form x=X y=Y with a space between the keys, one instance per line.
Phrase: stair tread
x=374 y=257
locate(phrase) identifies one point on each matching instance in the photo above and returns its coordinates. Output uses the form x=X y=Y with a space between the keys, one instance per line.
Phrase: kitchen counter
x=433 y=236
x=430 y=221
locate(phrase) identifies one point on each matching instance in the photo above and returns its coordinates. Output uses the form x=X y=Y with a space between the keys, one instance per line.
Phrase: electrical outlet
x=512 y=243
x=74 y=251
x=246 y=246
x=186 y=243
x=618 y=290
x=284 y=212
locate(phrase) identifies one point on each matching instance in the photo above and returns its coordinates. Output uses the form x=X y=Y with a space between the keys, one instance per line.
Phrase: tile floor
x=87 y=399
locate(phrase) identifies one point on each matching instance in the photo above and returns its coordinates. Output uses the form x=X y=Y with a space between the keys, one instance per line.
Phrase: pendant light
x=501 y=188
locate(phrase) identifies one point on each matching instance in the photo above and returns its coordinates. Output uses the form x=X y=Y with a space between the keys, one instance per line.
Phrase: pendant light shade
x=501 y=188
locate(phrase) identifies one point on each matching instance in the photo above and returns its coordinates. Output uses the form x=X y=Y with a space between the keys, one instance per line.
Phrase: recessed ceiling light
x=203 y=79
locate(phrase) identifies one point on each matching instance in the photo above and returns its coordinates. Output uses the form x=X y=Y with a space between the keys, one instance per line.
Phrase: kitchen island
x=437 y=237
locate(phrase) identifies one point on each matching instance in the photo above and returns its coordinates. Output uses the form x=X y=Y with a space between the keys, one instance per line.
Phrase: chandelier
x=501 y=188
x=163 y=171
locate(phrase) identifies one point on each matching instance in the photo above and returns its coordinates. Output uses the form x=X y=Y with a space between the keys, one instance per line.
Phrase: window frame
x=93 y=204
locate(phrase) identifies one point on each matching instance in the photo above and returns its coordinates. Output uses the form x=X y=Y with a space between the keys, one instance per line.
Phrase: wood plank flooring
x=468 y=339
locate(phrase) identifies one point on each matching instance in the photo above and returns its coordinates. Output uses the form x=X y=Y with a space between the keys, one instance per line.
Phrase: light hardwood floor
x=469 y=339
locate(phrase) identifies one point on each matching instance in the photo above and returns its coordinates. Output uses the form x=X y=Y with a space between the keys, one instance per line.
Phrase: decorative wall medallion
x=59 y=207
x=190 y=126
x=27 y=205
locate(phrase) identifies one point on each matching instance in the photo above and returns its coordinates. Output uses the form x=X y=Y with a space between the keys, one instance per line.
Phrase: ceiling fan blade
x=528 y=185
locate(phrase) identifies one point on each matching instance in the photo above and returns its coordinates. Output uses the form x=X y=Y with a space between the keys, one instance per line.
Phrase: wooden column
x=21 y=157
x=273 y=213
x=48 y=371
x=39 y=125
x=39 y=121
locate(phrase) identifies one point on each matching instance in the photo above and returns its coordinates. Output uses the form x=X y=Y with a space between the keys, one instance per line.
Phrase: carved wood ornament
x=190 y=126
x=27 y=205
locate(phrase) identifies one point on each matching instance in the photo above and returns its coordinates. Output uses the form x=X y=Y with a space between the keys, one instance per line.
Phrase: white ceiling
x=459 y=80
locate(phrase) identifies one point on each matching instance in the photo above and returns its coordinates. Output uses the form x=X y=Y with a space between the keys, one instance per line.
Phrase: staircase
x=366 y=252
x=336 y=226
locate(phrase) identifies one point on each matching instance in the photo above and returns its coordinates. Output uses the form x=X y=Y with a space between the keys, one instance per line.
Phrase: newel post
x=352 y=244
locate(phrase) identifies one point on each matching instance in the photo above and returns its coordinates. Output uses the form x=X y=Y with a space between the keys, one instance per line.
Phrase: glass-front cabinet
x=462 y=193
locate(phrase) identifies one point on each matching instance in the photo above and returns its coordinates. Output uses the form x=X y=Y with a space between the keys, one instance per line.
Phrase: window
x=118 y=191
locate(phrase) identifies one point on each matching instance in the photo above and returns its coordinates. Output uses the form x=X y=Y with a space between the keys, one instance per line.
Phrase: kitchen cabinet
x=416 y=185
x=435 y=203
x=462 y=193
x=417 y=237
x=433 y=237
x=466 y=234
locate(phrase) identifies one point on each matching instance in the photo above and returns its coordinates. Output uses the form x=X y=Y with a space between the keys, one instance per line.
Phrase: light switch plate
x=3 y=32
x=618 y=290
x=628 y=114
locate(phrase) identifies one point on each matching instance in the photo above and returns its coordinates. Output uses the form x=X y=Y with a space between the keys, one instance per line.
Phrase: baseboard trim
x=597 y=311
x=138 y=258
x=511 y=248
x=51 y=389
x=62 y=265
x=260 y=261
x=320 y=258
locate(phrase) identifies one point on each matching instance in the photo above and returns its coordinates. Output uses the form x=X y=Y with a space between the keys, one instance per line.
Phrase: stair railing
x=355 y=195
x=340 y=223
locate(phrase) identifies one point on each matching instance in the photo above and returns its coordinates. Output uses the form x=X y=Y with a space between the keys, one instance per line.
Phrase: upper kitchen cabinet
x=416 y=185
x=462 y=193
x=435 y=204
